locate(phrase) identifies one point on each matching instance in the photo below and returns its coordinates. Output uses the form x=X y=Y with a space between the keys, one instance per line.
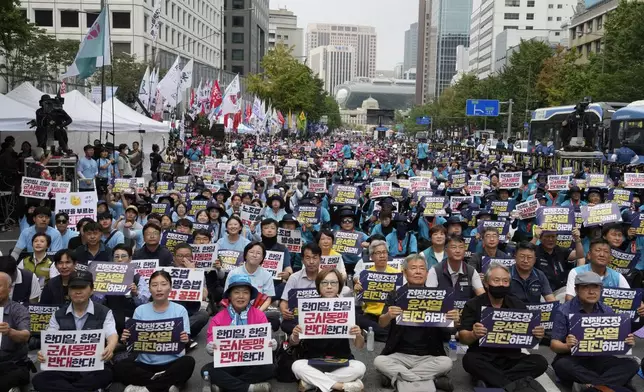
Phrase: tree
x=562 y=80
x=126 y=73
x=332 y=111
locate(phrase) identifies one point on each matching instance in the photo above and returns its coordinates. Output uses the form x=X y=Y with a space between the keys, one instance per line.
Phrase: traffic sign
x=526 y=126
x=482 y=107
x=423 y=120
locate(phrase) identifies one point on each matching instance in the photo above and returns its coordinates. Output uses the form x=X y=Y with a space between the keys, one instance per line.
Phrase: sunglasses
x=347 y=220
x=61 y=221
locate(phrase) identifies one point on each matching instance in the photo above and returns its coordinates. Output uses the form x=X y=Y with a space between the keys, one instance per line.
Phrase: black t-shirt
x=66 y=293
x=155 y=160
x=556 y=265
x=323 y=348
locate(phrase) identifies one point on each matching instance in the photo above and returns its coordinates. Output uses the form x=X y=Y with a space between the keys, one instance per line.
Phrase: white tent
x=26 y=94
x=124 y=111
x=86 y=116
x=14 y=116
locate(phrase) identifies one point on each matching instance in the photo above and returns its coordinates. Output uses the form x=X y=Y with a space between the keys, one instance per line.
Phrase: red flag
x=63 y=88
x=225 y=120
x=215 y=96
x=237 y=120
x=249 y=112
x=203 y=109
x=280 y=117
x=192 y=97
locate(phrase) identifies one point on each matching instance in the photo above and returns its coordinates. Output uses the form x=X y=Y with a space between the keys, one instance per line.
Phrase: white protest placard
x=273 y=262
x=72 y=351
x=266 y=171
x=329 y=262
x=634 y=180
x=187 y=284
x=330 y=166
x=124 y=185
x=528 y=209
x=242 y=345
x=326 y=318
x=558 y=182
x=475 y=188
x=510 y=180
x=204 y=256
x=456 y=201
x=196 y=169
x=250 y=214
x=77 y=205
x=60 y=187
x=145 y=268
x=317 y=185
x=292 y=239
x=380 y=189
x=35 y=188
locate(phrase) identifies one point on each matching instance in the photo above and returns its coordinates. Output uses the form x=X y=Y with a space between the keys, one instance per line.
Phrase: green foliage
x=127 y=74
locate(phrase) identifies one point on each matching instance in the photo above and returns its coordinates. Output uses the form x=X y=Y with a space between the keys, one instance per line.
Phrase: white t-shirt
x=570 y=284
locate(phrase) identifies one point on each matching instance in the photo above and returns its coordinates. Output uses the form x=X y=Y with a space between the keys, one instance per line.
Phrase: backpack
x=285 y=356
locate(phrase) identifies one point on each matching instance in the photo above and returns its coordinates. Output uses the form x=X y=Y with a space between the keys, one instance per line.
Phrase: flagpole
x=100 y=127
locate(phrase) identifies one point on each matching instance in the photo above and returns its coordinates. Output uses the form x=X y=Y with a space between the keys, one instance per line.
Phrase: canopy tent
x=124 y=111
x=26 y=94
x=14 y=116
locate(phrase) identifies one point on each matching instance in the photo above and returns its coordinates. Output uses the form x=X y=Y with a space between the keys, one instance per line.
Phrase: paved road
x=460 y=379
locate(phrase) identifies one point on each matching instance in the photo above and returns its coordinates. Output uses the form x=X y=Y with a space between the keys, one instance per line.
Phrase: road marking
x=547 y=383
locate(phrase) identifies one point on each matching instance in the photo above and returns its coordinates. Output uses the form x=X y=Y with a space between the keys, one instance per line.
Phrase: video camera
x=50 y=105
x=577 y=130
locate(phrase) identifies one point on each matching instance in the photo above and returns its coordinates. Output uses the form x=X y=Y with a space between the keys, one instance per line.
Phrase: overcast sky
x=390 y=18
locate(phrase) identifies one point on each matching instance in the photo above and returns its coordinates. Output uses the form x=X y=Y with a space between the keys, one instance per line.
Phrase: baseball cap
x=132 y=207
x=588 y=278
x=81 y=279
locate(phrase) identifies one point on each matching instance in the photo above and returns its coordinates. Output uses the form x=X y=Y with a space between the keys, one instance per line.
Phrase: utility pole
x=510 y=103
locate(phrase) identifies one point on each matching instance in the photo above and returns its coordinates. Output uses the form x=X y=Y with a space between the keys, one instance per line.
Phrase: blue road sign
x=482 y=107
x=526 y=125
x=423 y=120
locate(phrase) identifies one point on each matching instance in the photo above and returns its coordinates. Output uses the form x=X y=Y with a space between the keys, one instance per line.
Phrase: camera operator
x=51 y=116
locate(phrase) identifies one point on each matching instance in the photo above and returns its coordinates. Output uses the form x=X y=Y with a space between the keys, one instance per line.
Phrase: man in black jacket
x=414 y=358
x=56 y=291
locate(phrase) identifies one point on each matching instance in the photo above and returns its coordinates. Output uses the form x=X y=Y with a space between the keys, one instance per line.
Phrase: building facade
x=411 y=47
x=282 y=29
x=586 y=28
x=492 y=17
x=333 y=64
x=362 y=38
x=246 y=24
x=191 y=29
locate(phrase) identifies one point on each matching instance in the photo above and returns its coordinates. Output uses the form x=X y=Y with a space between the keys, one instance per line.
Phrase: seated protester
x=109 y=236
x=401 y=242
x=42 y=216
x=588 y=371
x=14 y=329
x=288 y=222
x=78 y=240
x=506 y=368
x=269 y=239
x=235 y=205
x=371 y=311
x=94 y=249
x=436 y=253
x=25 y=288
x=56 y=290
x=302 y=279
x=239 y=311
x=129 y=220
x=152 y=249
x=454 y=273
x=414 y=358
x=348 y=224
x=386 y=226
x=490 y=237
x=275 y=208
x=325 y=240
x=198 y=317
x=166 y=223
x=528 y=283
x=348 y=378
x=254 y=254
x=181 y=212
x=598 y=259
x=231 y=239
x=38 y=262
x=555 y=261
x=184 y=226
x=573 y=198
x=81 y=314
x=157 y=372
x=123 y=306
x=215 y=279
x=62 y=225
x=217 y=215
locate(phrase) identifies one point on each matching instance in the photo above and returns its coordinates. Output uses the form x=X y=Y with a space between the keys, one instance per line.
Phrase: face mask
x=498 y=292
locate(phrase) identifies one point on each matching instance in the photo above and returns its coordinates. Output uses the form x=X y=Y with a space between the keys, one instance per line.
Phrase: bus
x=627 y=129
x=546 y=123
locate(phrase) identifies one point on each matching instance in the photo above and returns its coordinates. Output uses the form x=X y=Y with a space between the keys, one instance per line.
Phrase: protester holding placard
x=239 y=311
x=436 y=252
x=528 y=283
x=157 y=372
x=289 y=224
x=56 y=291
x=81 y=314
x=490 y=237
x=254 y=254
x=325 y=239
x=269 y=239
x=347 y=225
x=152 y=249
x=42 y=217
x=555 y=261
x=328 y=364
x=588 y=370
x=506 y=368
x=414 y=358
x=14 y=334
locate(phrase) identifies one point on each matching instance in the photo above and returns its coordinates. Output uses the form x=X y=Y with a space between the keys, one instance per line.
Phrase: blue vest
x=94 y=321
x=463 y=289
x=610 y=280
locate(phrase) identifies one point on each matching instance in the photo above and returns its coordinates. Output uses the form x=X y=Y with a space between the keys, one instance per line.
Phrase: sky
x=390 y=18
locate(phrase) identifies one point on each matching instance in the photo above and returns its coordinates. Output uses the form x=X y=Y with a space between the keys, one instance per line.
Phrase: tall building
x=399 y=70
x=446 y=28
x=586 y=28
x=246 y=35
x=362 y=38
x=494 y=16
x=411 y=47
x=182 y=29
x=282 y=28
x=333 y=64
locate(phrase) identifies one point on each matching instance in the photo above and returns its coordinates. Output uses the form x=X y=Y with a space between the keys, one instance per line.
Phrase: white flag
x=258 y=110
x=156 y=18
x=154 y=81
x=230 y=102
x=144 y=89
x=186 y=80
x=169 y=85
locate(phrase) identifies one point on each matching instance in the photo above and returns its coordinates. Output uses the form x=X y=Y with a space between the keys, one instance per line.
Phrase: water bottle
x=453 y=348
x=206 y=382
x=370 y=339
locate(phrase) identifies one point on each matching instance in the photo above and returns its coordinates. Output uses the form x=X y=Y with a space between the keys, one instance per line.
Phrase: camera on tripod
x=50 y=105
x=576 y=131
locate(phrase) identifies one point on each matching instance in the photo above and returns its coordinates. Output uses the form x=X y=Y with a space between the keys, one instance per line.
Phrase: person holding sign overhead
x=506 y=368
x=587 y=371
x=81 y=314
x=157 y=372
x=328 y=364
x=239 y=311
x=414 y=358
